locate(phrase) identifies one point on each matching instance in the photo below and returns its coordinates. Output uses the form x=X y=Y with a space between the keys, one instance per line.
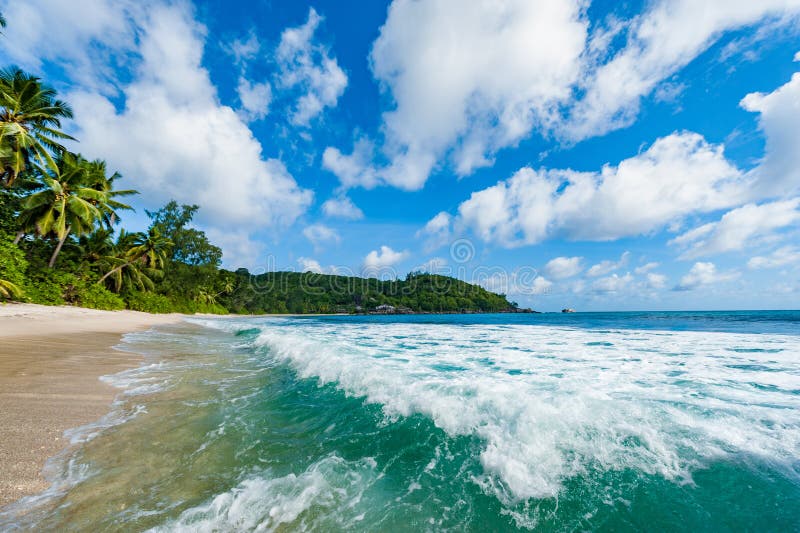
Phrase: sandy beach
x=50 y=362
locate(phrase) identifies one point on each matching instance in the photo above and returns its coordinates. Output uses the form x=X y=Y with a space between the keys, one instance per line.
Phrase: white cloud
x=384 y=258
x=69 y=32
x=702 y=275
x=435 y=265
x=309 y=265
x=738 y=228
x=342 y=207
x=353 y=170
x=241 y=250
x=563 y=267
x=782 y=256
x=255 y=98
x=679 y=175
x=644 y=269
x=604 y=267
x=655 y=281
x=797 y=56
x=170 y=134
x=520 y=282
x=243 y=50
x=541 y=285
x=470 y=78
x=319 y=235
x=659 y=42
x=612 y=283
x=779 y=172
x=436 y=231
x=306 y=65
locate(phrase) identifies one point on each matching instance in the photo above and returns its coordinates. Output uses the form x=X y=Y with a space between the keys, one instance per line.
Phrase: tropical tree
x=8 y=290
x=30 y=122
x=96 y=246
x=143 y=254
x=98 y=178
x=65 y=205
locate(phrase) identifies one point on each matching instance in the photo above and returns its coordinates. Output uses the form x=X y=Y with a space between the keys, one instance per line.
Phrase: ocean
x=655 y=421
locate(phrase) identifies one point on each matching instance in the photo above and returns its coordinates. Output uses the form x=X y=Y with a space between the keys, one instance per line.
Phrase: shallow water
x=617 y=421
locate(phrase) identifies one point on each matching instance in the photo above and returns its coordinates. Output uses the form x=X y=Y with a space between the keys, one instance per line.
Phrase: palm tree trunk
x=20 y=235
x=58 y=248
x=115 y=269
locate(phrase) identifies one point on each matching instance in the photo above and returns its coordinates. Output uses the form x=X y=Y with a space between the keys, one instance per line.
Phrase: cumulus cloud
x=255 y=98
x=644 y=269
x=320 y=234
x=783 y=256
x=436 y=231
x=241 y=249
x=69 y=32
x=355 y=169
x=342 y=207
x=165 y=129
x=779 y=119
x=654 y=280
x=679 y=175
x=378 y=260
x=563 y=267
x=612 y=283
x=170 y=136
x=658 y=43
x=309 y=265
x=307 y=65
x=519 y=282
x=243 y=50
x=738 y=228
x=604 y=267
x=469 y=78
x=434 y=265
x=703 y=274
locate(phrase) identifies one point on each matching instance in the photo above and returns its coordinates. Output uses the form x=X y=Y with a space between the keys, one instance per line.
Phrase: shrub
x=52 y=287
x=148 y=302
x=12 y=262
x=96 y=296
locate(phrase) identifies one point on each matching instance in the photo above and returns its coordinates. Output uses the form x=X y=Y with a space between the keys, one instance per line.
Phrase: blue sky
x=597 y=155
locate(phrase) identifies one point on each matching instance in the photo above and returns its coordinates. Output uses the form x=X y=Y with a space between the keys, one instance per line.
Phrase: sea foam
x=264 y=503
x=551 y=404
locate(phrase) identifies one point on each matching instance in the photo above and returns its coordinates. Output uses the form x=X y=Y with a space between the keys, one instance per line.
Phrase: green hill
x=294 y=292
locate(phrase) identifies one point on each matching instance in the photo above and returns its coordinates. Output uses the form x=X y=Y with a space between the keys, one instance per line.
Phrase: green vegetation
x=307 y=292
x=60 y=240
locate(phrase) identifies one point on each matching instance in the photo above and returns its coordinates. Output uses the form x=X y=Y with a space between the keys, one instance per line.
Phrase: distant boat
x=567 y=310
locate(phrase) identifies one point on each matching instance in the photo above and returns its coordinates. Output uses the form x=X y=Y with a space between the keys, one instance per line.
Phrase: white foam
x=549 y=406
x=263 y=503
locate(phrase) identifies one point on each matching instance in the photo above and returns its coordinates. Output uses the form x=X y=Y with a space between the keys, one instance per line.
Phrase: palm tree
x=65 y=205
x=96 y=246
x=208 y=296
x=99 y=179
x=8 y=290
x=145 y=251
x=30 y=122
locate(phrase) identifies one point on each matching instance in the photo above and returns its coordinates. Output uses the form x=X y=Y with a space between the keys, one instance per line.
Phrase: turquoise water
x=613 y=422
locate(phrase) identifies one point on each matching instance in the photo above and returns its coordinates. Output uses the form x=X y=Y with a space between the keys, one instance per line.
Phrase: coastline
x=51 y=359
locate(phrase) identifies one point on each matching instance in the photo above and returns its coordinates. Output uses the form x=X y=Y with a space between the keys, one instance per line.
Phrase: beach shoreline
x=51 y=359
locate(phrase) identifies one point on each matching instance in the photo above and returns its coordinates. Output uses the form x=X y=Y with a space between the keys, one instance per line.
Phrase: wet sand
x=50 y=362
